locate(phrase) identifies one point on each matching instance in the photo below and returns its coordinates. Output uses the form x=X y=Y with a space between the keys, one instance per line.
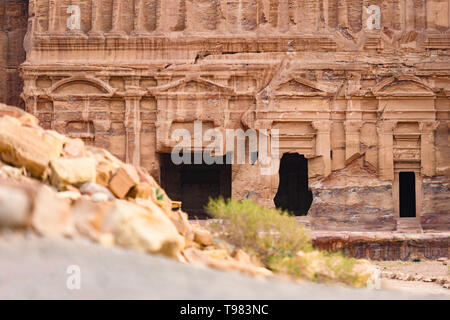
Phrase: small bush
x=261 y=231
x=282 y=244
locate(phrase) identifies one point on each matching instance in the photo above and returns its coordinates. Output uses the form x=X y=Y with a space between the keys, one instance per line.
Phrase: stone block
x=123 y=180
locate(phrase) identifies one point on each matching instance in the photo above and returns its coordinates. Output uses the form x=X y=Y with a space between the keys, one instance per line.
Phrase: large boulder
x=27 y=146
x=51 y=216
x=144 y=228
x=73 y=171
x=15 y=207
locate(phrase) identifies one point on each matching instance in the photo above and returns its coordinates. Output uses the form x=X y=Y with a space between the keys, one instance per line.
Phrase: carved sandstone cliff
x=336 y=78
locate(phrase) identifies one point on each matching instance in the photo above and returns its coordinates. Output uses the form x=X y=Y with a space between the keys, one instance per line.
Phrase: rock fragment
x=145 y=229
x=123 y=180
x=203 y=237
x=15 y=207
x=75 y=171
x=29 y=147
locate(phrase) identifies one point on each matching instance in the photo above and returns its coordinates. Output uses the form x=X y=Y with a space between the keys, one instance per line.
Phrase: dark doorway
x=407 y=195
x=293 y=194
x=193 y=184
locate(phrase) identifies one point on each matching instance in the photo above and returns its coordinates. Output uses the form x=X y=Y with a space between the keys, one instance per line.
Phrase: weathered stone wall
x=334 y=82
x=384 y=245
x=13 y=26
x=353 y=198
x=435 y=213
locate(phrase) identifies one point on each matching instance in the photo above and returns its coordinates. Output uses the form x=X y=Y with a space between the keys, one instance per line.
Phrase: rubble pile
x=60 y=187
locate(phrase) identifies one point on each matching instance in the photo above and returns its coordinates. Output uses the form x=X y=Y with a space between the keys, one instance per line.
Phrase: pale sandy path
x=35 y=268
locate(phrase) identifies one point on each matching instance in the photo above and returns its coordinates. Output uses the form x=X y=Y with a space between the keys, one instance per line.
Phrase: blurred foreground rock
x=58 y=187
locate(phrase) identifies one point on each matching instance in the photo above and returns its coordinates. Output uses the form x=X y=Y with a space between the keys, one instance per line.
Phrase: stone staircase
x=409 y=225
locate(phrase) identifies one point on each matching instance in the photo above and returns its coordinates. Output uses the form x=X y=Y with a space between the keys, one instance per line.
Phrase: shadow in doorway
x=293 y=193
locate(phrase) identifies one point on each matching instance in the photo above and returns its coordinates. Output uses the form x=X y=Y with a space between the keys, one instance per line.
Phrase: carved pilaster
x=410 y=23
x=309 y=11
x=352 y=137
x=342 y=13
x=283 y=15
x=53 y=16
x=427 y=147
x=139 y=23
x=96 y=18
x=168 y=17
x=323 y=143
x=116 y=18
x=385 y=149
x=132 y=125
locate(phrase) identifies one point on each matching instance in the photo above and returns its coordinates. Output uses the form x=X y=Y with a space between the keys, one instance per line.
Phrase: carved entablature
x=405 y=97
x=290 y=25
x=300 y=87
x=403 y=86
x=188 y=100
x=79 y=86
x=191 y=87
x=296 y=99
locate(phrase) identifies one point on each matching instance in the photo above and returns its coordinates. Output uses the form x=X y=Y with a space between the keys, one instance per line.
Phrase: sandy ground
x=36 y=268
x=425 y=268
x=415 y=287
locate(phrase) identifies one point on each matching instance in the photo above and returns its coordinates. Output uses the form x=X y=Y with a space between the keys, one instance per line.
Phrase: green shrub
x=282 y=244
x=261 y=231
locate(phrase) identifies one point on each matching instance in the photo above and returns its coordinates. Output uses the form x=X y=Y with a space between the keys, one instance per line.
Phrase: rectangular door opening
x=194 y=184
x=407 y=192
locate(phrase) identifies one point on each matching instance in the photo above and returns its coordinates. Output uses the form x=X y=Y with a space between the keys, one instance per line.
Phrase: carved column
x=283 y=15
x=342 y=13
x=323 y=143
x=352 y=137
x=385 y=149
x=116 y=18
x=168 y=17
x=232 y=10
x=96 y=18
x=427 y=147
x=410 y=11
x=139 y=23
x=53 y=16
x=132 y=125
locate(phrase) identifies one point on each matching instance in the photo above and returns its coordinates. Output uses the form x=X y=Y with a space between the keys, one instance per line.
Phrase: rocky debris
x=141 y=190
x=74 y=148
x=94 y=190
x=214 y=259
x=203 y=237
x=444 y=281
x=59 y=187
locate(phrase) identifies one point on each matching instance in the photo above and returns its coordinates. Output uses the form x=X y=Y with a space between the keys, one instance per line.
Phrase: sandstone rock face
x=384 y=245
x=436 y=203
x=352 y=198
x=336 y=79
x=13 y=26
